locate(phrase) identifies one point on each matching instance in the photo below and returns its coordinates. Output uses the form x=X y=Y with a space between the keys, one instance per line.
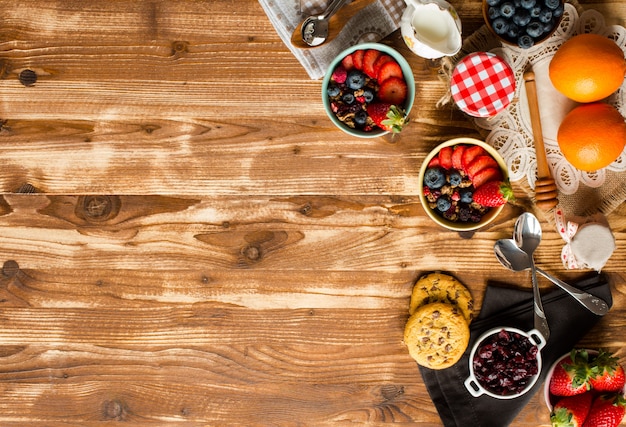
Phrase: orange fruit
x=587 y=68
x=592 y=136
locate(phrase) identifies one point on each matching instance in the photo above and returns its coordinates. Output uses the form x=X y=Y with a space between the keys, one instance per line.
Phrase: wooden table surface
x=186 y=239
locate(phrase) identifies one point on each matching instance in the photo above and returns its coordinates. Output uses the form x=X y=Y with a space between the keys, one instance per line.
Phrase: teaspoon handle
x=591 y=302
x=541 y=323
x=332 y=8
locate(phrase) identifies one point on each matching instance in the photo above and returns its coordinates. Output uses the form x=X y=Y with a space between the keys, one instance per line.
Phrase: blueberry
x=467 y=195
x=548 y=26
x=534 y=29
x=522 y=17
x=558 y=12
x=355 y=80
x=552 y=4
x=333 y=90
x=434 y=178
x=528 y=4
x=348 y=98
x=368 y=95
x=493 y=13
x=443 y=204
x=507 y=9
x=493 y=2
x=545 y=16
x=455 y=179
x=535 y=12
x=513 y=31
x=525 y=41
x=360 y=118
x=500 y=26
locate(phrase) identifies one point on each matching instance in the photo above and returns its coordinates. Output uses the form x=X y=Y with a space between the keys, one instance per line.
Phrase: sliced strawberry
x=486 y=175
x=481 y=162
x=389 y=69
x=357 y=58
x=434 y=162
x=393 y=91
x=382 y=60
x=370 y=57
x=470 y=153
x=445 y=157
x=348 y=62
x=457 y=155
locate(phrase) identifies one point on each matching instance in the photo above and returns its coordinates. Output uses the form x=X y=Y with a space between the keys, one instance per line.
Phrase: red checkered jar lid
x=482 y=84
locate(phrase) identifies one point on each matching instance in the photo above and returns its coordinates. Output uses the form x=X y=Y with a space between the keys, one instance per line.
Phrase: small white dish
x=472 y=384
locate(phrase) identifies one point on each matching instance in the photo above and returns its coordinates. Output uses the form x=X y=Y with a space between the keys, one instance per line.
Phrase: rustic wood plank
x=202 y=246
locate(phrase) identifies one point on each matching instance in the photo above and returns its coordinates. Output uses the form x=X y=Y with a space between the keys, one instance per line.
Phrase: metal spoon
x=513 y=258
x=315 y=28
x=527 y=236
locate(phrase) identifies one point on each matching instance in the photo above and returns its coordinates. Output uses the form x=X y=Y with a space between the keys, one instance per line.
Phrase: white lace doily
x=510 y=132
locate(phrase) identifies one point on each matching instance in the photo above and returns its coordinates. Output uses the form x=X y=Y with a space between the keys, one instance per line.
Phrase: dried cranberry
x=505 y=363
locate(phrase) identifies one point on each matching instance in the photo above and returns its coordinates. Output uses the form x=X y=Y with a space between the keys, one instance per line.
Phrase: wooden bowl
x=510 y=40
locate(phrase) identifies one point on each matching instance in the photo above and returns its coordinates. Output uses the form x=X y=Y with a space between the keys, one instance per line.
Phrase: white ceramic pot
x=473 y=385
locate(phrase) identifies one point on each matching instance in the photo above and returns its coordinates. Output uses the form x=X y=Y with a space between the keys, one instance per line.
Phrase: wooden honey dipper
x=546 y=195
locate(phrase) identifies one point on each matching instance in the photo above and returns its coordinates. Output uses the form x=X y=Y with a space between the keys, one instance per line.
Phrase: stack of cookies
x=437 y=332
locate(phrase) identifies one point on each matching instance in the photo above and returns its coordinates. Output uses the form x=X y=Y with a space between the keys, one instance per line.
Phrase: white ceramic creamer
x=431 y=28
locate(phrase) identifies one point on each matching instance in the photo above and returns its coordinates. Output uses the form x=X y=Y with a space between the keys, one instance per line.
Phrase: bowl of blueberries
x=450 y=177
x=523 y=23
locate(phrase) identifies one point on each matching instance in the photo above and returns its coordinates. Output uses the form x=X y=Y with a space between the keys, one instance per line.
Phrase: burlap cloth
x=580 y=194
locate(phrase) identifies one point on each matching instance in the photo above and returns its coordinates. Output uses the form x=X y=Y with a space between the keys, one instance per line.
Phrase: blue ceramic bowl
x=408 y=77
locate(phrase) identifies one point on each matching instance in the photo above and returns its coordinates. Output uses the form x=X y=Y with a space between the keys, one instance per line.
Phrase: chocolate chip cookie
x=437 y=335
x=440 y=287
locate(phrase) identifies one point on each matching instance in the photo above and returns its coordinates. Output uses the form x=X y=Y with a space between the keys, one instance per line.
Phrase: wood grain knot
x=391 y=391
x=27 y=77
x=253 y=253
x=97 y=208
x=10 y=268
x=114 y=410
x=179 y=47
x=306 y=209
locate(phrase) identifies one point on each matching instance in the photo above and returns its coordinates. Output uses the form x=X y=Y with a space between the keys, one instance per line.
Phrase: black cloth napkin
x=569 y=322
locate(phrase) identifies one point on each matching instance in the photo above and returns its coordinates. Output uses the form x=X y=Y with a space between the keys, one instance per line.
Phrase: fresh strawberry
x=493 y=193
x=457 y=155
x=357 y=59
x=470 y=153
x=571 y=411
x=389 y=69
x=370 y=57
x=486 y=175
x=347 y=62
x=445 y=157
x=382 y=60
x=393 y=91
x=479 y=163
x=571 y=374
x=387 y=116
x=434 y=162
x=607 y=410
x=607 y=374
